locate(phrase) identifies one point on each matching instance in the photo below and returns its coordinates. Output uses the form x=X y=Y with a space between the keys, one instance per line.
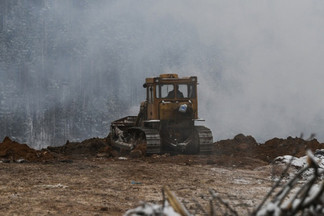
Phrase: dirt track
x=88 y=178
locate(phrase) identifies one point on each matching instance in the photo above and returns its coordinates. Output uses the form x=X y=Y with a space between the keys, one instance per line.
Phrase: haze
x=68 y=68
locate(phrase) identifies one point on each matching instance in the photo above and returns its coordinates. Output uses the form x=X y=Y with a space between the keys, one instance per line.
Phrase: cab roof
x=170 y=78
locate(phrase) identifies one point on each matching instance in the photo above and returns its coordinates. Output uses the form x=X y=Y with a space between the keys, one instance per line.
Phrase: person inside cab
x=174 y=92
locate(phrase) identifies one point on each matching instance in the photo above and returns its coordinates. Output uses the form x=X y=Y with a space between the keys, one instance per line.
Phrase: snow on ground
x=301 y=162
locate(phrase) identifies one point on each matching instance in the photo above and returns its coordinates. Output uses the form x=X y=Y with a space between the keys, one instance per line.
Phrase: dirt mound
x=240 y=145
x=89 y=147
x=240 y=151
x=246 y=146
x=14 y=151
x=290 y=146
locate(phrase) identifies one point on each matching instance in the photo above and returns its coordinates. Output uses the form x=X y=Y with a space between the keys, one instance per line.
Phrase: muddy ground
x=89 y=178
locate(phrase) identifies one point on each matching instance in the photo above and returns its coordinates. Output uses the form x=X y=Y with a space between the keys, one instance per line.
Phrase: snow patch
x=301 y=162
x=152 y=209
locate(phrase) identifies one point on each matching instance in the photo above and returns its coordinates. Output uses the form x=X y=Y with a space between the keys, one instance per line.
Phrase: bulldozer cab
x=170 y=97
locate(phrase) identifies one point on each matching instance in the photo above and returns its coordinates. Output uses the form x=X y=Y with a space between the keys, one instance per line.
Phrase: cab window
x=164 y=90
x=175 y=91
x=191 y=91
x=183 y=91
x=150 y=94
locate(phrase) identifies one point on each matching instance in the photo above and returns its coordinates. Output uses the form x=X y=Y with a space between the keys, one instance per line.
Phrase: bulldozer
x=166 y=121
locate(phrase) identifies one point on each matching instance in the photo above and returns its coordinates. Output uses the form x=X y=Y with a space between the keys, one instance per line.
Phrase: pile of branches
x=307 y=200
x=280 y=200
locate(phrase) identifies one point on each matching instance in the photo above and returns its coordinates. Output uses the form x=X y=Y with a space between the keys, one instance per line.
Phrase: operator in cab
x=174 y=92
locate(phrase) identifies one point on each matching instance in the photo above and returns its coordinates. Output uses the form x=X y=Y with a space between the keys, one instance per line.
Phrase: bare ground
x=111 y=186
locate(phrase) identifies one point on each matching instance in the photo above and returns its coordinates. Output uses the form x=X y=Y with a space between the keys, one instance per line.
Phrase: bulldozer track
x=153 y=140
x=205 y=140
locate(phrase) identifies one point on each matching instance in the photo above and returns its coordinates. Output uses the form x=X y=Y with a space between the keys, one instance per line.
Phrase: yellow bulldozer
x=166 y=121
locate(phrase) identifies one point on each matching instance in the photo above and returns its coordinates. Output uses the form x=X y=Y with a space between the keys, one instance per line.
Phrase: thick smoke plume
x=259 y=64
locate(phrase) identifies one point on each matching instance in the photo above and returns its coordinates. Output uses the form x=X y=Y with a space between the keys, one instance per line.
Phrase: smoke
x=272 y=73
x=259 y=63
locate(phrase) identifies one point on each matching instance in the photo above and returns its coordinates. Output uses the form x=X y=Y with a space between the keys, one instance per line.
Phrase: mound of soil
x=240 y=145
x=89 y=147
x=240 y=151
x=14 y=151
x=290 y=146
x=246 y=146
